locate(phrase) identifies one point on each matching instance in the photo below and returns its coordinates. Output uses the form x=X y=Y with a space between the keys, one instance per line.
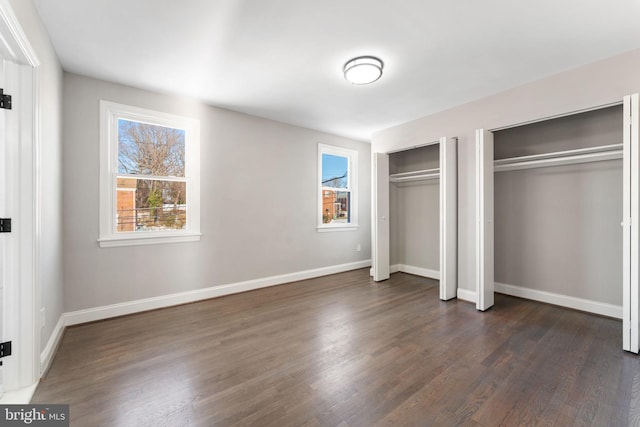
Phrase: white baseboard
x=130 y=307
x=465 y=295
x=418 y=271
x=46 y=357
x=19 y=397
x=590 y=306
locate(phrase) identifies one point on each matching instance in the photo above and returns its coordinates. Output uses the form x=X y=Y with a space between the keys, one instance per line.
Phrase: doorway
x=19 y=200
x=436 y=160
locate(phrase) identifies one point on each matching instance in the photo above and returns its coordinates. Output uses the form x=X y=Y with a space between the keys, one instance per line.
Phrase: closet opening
x=414 y=209
x=415 y=214
x=557 y=207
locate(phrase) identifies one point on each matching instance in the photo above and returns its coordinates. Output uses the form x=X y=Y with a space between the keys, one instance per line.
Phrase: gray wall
x=415 y=224
x=258 y=197
x=558 y=229
x=414 y=210
x=590 y=129
x=600 y=83
x=50 y=244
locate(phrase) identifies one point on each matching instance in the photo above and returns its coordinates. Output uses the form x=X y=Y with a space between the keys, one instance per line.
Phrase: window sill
x=135 y=240
x=330 y=228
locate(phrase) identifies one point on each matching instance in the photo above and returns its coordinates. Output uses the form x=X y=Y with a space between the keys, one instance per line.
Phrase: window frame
x=352 y=156
x=110 y=113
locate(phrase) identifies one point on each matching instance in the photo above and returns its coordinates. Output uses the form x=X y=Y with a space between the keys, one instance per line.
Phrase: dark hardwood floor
x=345 y=351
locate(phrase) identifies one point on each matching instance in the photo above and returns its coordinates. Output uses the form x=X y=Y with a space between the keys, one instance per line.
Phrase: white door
x=12 y=327
x=8 y=196
x=631 y=225
x=19 y=176
x=380 y=220
x=484 y=219
x=448 y=218
x=4 y=213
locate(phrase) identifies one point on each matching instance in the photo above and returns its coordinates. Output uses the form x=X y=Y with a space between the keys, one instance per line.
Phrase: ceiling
x=283 y=59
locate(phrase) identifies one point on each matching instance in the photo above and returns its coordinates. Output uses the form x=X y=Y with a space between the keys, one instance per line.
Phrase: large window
x=337 y=176
x=149 y=177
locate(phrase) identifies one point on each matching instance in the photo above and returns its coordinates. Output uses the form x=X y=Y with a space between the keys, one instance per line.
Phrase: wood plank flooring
x=344 y=351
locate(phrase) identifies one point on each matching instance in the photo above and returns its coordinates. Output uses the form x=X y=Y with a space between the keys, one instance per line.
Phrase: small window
x=337 y=207
x=149 y=177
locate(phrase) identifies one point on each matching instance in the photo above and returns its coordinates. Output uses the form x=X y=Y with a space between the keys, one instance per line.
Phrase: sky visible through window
x=334 y=171
x=148 y=149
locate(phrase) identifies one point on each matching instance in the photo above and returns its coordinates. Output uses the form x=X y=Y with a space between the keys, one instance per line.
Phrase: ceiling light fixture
x=363 y=70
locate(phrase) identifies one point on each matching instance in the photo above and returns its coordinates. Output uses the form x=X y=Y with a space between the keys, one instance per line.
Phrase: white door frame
x=380 y=216
x=630 y=224
x=21 y=321
x=484 y=220
x=448 y=218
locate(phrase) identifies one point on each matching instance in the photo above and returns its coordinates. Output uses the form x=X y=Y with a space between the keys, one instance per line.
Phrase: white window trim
x=110 y=112
x=352 y=155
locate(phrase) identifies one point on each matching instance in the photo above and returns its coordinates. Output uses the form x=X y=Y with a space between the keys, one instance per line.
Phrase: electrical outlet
x=358 y=247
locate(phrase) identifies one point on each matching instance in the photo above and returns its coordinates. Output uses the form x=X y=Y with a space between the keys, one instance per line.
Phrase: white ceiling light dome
x=363 y=70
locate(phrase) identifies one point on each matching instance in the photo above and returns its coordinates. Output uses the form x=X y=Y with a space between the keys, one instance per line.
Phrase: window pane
x=145 y=149
x=336 y=207
x=335 y=171
x=144 y=205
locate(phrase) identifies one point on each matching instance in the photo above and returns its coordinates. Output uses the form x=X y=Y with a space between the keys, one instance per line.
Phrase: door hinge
x=5 y=227
x=5 y=100
x=5 y=350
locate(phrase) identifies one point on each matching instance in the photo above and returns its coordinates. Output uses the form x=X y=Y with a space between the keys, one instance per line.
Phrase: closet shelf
x=419 y=175
x=559 y=158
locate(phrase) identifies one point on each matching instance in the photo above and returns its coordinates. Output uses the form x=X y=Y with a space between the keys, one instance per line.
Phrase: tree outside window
x=149 y=176
x=158 y=154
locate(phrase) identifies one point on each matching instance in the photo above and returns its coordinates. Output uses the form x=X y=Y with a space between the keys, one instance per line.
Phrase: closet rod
x=601 y=148
x=412 y=173
x=421 y=177
x=559 y=158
